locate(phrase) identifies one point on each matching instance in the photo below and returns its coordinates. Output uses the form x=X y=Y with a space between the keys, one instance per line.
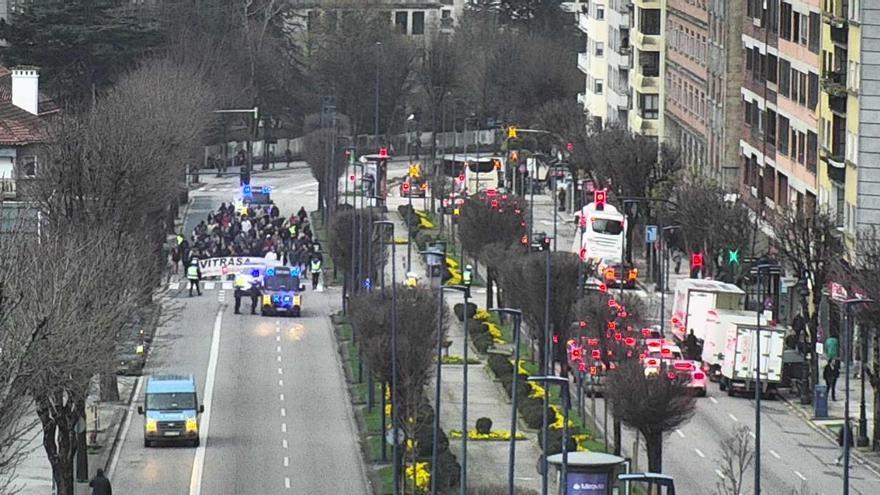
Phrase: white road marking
x=280 y=383
x=714 y=400
x=227 y=285
x=195 y=481
x=284 y=444
x=283 y=427
x=680 y=433
x=174 y=285
x=774 y=454
x=279 y=358
x=281 y=397
x=752 y=434
x=277 y=338
x=209 y=285
x=125 y=426
x=732 y=417
x=283 y=412
x=719 y=473
x=287 y=483
x=799 y=475
x=278 y=348
x=286 y=461
x=280 y=371
x=700 y=453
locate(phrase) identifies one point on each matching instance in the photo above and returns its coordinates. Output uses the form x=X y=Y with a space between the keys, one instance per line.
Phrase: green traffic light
x=733 y=257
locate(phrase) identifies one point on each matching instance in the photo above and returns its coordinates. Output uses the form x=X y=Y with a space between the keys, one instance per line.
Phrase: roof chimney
x=26 y=88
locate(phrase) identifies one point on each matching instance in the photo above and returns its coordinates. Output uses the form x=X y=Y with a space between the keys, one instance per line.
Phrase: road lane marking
x=719 y=473
x=752 y=434
x=280 y=383
x=125 y=426
x=278 y=348
x=277 y=338
x=284 y=444
x=286 y=461
x=280 y=371
x=279 y=358
x=732 y=417
x=209 y=285
x=774 y=454
x=799 y=475
x=281 y=397
x=283 y=412
x=287 y=483
x=195 y=481
x=714 y=400
x=679 y=433
x=699 y=453
x=283 y=427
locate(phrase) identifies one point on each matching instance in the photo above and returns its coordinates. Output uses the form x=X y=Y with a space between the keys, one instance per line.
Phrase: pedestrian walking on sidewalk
x=830 y=374
x=841 y=438
x=100 y=484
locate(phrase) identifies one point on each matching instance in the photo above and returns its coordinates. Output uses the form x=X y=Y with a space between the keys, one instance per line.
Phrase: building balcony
x=583 y=21
x=647 y=127
x=840 y=35
x=834 y=83
x=647 y=42
x=836 y=154
x=618 y=100
x=582 y=99
x=836 y=16
x=646 y=84
x=584 y=62
x=7 y=189
x=619 y=59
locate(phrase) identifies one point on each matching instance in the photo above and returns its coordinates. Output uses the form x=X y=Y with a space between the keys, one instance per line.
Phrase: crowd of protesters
x=260 y=232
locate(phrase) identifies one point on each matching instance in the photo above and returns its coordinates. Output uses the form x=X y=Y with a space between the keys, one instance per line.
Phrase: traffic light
x=733 y=256
x=569 y=147
x=600 y=196
x=424 y=186
x=383 y=152
x=696 y=265
x=514 y=156
x=546 y=243
x=461 y=177
x=405 y=187
x=511 y=132
x=496 y=164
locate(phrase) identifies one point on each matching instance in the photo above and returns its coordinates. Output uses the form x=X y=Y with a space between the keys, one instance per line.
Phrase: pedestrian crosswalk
x=297 y=188
x=209 y=285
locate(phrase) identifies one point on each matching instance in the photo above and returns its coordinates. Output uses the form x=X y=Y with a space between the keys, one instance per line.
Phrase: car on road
x=130 y=359
x=690 y=374
x=251 y=198
x=171 y=410
x=615 y=275
x=413 y=187
x=282 y=292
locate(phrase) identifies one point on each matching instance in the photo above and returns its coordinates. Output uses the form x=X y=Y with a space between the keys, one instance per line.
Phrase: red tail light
x=582 y=366
x=596 y=353
x=699 y=375
x=629 y=341
x=618 y=336
x=671 y=375
x=683 y=366
x=612 y=303
x=603 y=288
x=646 y=332
x=652 y=362
x=666 y=351
x=593 y=342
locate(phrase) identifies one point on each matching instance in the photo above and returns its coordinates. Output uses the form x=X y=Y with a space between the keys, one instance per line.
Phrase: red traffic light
x=569 y=147
x=494 y=204
x=383 y=152
x=461 y=178
x=697 y=260
x=351 y=178
x=555 y=338
x=629 y=341
x=596 y=353
x=583 y=254
x=405 y=187
x=582 y=366
x=603 y=288
x=612 y=325
x=524 y=240
x=582 y=324
x=576 y=355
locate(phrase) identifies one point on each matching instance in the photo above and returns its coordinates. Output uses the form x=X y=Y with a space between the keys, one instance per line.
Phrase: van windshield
x=171 y=401
x=608 y=227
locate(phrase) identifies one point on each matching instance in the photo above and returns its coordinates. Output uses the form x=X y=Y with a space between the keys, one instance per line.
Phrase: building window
x=600 y=12
x=747 y=112
x=418 y=23
x=771 y=127
x=784 y=77
x=650 y=63
x=599 y=86
x=815 y=32
x=400 y=21
x=772 y=63
x=812 y=151
x=29 y=167
x=649 y=106
x=782 y=135
x=649 y=21
x=785 y=21
x=782 y=187
x=600 y=49
x=840 y=207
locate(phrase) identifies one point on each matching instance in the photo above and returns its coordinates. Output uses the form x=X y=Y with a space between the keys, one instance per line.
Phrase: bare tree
x=347 y=228
x=810 y=244
x=737 y=454
x=654 y=405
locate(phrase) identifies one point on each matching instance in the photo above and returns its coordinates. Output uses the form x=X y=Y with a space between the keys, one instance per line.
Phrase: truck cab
x=171 y=410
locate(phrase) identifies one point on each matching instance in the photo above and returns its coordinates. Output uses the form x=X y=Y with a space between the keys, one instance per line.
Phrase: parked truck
x=741 y=359
x=695 y=298
x=718 y=324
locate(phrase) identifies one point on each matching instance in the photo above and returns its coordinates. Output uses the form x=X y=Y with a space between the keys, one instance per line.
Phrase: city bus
x=480 y=174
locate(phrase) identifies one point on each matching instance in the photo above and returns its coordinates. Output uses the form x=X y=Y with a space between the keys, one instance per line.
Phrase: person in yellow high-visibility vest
x=194 y=274
x=241 y=285
x=467 y=275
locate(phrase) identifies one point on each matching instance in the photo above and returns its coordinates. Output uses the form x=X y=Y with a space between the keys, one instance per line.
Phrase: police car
x=282 y=292
x=250 y=198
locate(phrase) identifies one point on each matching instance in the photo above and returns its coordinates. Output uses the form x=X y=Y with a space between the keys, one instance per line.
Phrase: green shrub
x=484 y=425
x=482 y=342
x=458 y=309
x=532 y=412
x=448 y=471
x=501 y=366
x=554 y=441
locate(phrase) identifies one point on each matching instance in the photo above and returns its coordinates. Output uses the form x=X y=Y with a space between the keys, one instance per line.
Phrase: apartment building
x=779 y=145
x=702 y=77
x=646 y=83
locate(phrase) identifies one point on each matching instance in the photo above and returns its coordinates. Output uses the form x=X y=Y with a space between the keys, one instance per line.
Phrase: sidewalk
x=487 y=461
x=103 y=420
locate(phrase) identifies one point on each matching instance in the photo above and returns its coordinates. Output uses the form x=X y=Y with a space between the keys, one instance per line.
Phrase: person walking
x=194 y=274
x=241 y=286
x=315 y=266
x=175 y=258
x=845 y=435
x=100 y=485
x=255 y=296
x=830 y=374
x=692 y=346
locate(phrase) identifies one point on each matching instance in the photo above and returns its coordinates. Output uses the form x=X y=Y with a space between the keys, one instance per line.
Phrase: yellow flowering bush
x=420 y=475
x=537 y=391
x=560 y=419
x=451 y=262
x=482 y=315
x=495 y=332
x=580 y=441
x=453 y=359
x=492 y=436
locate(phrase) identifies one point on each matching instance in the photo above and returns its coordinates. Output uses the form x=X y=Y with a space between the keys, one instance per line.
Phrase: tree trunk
x=875 y=441
x=618 y=437
x=109 y=387
x=490 y=280
x=58 y=442
x=654 y=443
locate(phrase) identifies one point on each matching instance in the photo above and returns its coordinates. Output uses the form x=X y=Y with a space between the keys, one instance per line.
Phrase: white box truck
x=695 y=298
x=741 y=359
x=718 y=324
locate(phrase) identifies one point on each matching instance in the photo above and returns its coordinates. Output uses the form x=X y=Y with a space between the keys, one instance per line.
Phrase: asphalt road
x=277 y=417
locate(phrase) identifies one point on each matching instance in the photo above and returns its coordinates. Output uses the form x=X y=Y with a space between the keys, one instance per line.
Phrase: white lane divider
x=284 y=444
x=195 y=481
x=720 y=474
x=125 y=426
x=209 y=285
x=283 y=427
x=732 y=417
x=680 y=433
x=799 y=475
x=281 y=397
x=286 y=461
x=714 y=400
x=699 y=452
x=280 y=383
x=283 y=412
x=774 y=454
x=287 y=483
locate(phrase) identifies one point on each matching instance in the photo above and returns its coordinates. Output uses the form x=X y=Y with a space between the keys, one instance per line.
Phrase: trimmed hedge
x=484 y=426
x=554 y=440
x=458 y=310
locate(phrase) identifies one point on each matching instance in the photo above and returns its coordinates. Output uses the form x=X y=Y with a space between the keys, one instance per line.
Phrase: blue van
x=171 y=409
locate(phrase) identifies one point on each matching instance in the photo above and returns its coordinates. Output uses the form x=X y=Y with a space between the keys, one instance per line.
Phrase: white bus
x=602 y=233
x=480 y=174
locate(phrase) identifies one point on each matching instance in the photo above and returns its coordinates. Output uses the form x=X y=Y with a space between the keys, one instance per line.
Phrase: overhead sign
x=650 y=233
x=233 y=265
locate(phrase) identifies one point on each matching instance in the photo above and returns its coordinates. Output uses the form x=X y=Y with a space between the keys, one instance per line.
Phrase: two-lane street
x=277 y=414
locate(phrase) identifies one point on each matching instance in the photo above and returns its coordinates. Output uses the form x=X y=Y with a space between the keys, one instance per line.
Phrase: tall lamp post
x=465 y=290
x=517 y=321
x=566 y=407
x=376 y=109
x=664 y=274
x=395 y=423
x=847 y=440
x=548 y=368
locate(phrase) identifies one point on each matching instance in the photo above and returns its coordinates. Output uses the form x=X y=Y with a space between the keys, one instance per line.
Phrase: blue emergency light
x=246 y=190
x=288 y=299
x=266 y=189
x=270 y=272
x=294 y=272
x=255 y=273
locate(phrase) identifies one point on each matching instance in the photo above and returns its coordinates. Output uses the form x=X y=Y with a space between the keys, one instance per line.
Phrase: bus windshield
x=606 y=226
x=482 y=166
x=282 y=283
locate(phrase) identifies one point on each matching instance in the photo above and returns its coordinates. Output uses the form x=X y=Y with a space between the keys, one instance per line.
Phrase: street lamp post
x=664 y=274
x=548 y=370
x=847 y=440
x=376 y=110
x=395 y=423
x=464 y=401
x=517 y=321
x=566 y=408
x=862 y=440
x=435 y=436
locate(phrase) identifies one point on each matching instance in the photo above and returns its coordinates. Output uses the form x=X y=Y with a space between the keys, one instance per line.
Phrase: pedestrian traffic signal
x=461 y=177
x=424 y=186
x=696 y=265
x=496 y=164
x=514 y=156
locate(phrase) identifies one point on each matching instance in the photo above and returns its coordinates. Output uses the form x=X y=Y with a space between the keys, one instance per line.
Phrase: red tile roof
x=19 y=127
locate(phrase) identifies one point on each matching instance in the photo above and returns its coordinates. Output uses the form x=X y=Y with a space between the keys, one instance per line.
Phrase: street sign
x=368 y=284
x=650 y=233
x=768 y=303
x=838 y=292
